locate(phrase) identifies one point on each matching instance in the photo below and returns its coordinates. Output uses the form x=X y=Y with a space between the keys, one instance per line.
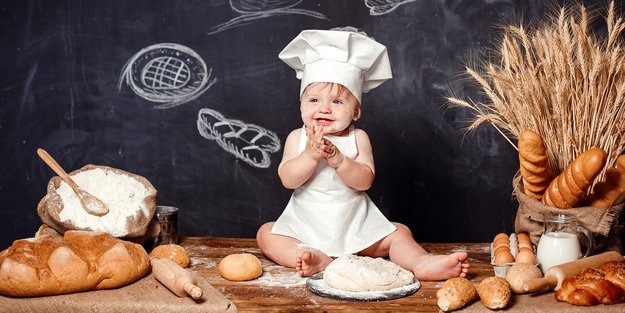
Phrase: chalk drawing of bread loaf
x=248 y=142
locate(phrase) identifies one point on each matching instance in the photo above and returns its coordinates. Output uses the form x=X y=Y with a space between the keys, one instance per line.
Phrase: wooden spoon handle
x=43 y=154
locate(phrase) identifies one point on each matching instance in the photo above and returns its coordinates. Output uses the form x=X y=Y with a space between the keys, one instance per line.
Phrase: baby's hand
x=323 y=148
x=331 y=153
x=313 y=142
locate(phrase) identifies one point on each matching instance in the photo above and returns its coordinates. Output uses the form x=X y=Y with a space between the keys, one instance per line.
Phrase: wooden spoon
x=90 y=204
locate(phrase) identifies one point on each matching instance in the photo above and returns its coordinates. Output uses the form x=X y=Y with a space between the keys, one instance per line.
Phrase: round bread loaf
x=519 y=273
x=176 y=253
x=240 y=267
x=76 y=261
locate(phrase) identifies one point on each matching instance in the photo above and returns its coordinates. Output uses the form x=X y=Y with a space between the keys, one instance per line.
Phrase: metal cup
x=167 y=217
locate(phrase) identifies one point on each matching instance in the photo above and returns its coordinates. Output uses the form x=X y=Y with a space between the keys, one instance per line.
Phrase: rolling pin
x=175 y=278
x=556 y=274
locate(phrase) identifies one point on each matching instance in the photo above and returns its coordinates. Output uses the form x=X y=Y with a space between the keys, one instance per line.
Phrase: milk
x=556 y=248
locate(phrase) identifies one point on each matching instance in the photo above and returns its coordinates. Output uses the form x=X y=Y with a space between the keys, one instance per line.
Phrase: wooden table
x=281 y=289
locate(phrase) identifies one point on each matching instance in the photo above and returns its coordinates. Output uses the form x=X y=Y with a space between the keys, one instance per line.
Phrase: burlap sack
x=51 y=205
x=602 y=222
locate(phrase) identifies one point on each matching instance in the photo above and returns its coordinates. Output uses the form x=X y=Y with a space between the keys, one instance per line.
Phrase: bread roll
x=240 y=267
x=455 y=293
x=565 y=192
x=519 y=273
x=176 y=253
x=494 y=292
x=78 y=261
x=534 y=164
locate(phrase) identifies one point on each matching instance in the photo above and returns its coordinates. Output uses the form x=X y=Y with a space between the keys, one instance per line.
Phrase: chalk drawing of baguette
x=248 y=142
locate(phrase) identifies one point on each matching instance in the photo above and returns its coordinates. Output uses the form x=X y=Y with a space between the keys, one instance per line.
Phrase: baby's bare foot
x=441 y=267
x=311 y=262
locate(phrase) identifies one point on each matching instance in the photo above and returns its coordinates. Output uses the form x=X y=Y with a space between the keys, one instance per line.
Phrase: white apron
x=328 y=215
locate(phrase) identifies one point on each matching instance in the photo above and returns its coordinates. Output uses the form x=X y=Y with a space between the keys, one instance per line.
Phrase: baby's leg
x=290 y=252
x=402 y=249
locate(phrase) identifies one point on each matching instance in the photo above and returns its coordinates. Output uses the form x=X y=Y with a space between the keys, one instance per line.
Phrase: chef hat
x=353 y=60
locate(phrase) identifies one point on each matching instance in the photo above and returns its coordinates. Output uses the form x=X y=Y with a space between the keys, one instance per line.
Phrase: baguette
x=77 y=261
x=455 y=293
x=534 y=164
x=494 y=292
x=606 y=193
x=572 y=184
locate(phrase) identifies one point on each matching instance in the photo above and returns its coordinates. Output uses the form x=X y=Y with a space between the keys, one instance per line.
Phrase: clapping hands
x=319 y=147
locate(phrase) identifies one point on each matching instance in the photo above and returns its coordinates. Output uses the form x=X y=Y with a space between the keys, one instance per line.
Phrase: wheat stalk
x=559 y=80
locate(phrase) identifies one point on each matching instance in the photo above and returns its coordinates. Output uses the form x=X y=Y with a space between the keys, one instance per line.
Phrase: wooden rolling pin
x=556 y=274
x=175 y=278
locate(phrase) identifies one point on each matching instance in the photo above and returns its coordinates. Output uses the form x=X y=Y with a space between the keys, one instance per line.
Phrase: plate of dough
x=361 y=278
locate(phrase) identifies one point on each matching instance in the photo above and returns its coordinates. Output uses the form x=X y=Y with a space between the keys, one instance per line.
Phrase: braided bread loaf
x=534 y=165
x=605 y=285
x=572 y=184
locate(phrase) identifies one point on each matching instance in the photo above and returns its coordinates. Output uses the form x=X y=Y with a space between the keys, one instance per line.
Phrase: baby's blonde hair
x=339 y=90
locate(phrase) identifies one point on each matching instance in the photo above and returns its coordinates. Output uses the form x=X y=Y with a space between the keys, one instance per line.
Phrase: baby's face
x=322 y=106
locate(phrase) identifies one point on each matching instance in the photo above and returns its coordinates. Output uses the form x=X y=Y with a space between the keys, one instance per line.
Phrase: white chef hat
x=353 y=60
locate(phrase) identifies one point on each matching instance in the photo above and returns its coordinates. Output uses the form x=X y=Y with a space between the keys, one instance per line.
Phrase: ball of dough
x=176 y=253
x=240 y=267
x=519 y=273
x=362 y=273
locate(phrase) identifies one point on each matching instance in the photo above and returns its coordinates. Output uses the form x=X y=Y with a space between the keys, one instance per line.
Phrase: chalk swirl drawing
x=166 y=73
x=248 y=142
x=251 y=10
x=381 y=7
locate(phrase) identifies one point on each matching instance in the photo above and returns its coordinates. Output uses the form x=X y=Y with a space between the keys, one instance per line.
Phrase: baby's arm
x=360 y=172
x=295 y=168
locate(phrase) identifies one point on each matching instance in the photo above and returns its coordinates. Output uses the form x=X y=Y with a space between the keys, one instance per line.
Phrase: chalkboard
x=141 y=85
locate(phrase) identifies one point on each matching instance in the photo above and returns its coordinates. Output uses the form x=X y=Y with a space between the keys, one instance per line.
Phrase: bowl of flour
x=131 y=200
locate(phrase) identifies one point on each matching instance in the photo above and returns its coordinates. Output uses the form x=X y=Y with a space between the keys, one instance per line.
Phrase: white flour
x=122 y=194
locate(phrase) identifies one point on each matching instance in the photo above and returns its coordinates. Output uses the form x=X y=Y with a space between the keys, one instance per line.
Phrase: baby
x=329 y=164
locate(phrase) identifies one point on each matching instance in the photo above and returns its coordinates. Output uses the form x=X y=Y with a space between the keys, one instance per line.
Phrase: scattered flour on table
x=123 y=194
x=274 y=278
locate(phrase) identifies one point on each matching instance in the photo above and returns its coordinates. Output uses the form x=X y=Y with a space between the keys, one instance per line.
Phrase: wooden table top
x=281 y=289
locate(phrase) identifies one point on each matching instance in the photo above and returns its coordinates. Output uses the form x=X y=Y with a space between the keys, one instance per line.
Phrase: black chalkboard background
x=61 y=62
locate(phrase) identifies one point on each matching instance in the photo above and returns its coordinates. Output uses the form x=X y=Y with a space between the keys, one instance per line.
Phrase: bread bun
x=519 y=273
x=78 y=261
x=455 y=293
x=176 y=253
x=240 y=267
x=494 y=292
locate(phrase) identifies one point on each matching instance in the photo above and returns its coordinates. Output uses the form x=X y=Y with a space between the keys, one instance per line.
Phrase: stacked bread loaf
x=572 y=185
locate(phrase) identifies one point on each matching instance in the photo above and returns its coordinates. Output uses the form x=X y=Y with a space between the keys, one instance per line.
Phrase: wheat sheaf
x=560 y=80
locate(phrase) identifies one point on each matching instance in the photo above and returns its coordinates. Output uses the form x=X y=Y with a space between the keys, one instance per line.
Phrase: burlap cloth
x=602 y=222
x=144 y=295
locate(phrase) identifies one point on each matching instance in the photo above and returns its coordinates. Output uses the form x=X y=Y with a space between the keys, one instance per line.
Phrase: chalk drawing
x=248 y=142
x=251 y=10
x=350 y=29
x=166 y=73
x=381 y=7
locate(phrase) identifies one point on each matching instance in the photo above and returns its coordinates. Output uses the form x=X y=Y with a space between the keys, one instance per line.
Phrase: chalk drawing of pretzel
x=248 y=142
x=166 y=73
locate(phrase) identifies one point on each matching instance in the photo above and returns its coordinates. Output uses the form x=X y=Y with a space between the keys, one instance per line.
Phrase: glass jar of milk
x=559 y=242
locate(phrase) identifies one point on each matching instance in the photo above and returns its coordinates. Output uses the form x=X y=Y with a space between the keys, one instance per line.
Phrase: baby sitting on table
x=329 y=164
